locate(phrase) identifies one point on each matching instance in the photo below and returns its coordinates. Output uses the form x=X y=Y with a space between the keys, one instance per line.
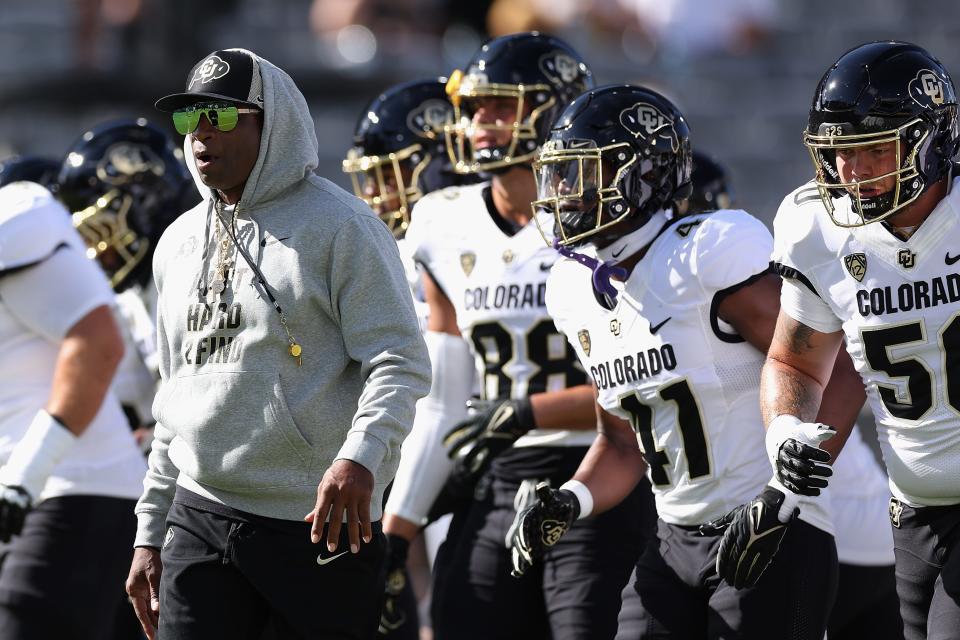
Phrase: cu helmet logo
x=559 y=67
x=929 y=84
x=124 y=160
x=429 y=118
x=645 y=121
x=212 y=68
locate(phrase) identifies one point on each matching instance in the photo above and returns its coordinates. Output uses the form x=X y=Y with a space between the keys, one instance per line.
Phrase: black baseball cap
x=231 y=75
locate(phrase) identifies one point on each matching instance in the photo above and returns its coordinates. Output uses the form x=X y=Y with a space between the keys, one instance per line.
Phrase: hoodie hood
x=288 y=142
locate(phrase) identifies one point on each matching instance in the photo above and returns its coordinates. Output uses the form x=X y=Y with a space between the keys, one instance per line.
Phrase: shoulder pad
x=804 y=236
x=32 y=225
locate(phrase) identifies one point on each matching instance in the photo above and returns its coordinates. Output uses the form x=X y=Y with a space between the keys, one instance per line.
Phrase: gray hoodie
x=237 y=419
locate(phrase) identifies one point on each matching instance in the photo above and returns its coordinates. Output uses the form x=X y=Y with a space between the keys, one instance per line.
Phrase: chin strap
x=602 y=271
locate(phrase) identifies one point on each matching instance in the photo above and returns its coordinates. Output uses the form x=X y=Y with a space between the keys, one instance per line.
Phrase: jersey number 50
x=920 y=380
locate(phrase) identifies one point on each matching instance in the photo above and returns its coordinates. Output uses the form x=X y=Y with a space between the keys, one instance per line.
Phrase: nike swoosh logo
x=617 y=254
x=546 y=266
x=322 y=561
x=655 y=328
x=951 y=259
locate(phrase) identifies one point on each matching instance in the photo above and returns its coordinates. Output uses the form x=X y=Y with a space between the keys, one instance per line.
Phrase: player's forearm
x=787 y=390
x=841 y=403
x=571 y=408
x=399 y=526
x=611 y=470
x=86 y=363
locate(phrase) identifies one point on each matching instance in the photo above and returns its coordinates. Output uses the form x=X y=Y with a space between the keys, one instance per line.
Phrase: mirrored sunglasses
x=223 y=116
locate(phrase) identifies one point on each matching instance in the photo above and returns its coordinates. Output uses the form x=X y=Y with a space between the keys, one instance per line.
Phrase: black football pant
x=63 y=576
x=866 y=604
x=573 y=594
x=230 y=574
x=928 y=572
x=676 y=594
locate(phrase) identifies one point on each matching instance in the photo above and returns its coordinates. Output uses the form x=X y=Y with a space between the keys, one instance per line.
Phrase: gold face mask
x=494 y=125
x=108 y=236
x=388 y=183
x=898 y=187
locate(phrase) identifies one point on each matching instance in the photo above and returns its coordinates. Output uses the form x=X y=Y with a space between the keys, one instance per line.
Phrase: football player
x=124 y=182
x=868 y=252
x=71 y=471
x=485 y=270
x=671 y=319
x=866 y=603
x=399 y=155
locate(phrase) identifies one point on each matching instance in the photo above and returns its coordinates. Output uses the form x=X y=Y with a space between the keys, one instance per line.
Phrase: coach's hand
x=346 y=487
x=752 y=534
x=143 y=588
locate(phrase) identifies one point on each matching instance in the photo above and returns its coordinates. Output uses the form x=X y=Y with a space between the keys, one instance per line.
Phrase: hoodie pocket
x=233 y=431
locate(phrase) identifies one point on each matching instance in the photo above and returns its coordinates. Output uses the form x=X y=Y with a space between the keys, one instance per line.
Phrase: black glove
x=15 y=504
x=476 y=441
x=751 y=538
x=541 y=526
x=392 y=616
x=799 y=467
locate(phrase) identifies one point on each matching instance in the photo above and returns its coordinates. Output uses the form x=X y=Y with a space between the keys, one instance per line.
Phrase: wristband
x=584 y=497
x=34 y=457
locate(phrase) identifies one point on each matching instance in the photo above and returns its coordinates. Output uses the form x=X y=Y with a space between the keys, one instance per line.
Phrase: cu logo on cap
x=212 y=68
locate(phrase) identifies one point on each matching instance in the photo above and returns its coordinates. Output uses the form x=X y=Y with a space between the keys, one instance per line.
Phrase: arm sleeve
x=424 y=464
x=160 y=483
x=53 y=295
x=801 y=304
x=379 y=327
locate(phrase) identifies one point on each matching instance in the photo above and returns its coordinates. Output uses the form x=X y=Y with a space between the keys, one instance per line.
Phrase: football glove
x=752 y=534
x=798 y=463
x=15 y=504
x=493 y=428
x=541 y=526
x=392 y=616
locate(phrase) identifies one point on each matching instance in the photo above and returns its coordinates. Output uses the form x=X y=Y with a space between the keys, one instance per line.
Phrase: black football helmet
x=618 y=153
x=710 y=190
x=39 y=169
x=124 y=182
x=399 y=150
x=876 y=94
x=538 y=74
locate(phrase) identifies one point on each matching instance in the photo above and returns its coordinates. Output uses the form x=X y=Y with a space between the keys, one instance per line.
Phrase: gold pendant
x=296 y=350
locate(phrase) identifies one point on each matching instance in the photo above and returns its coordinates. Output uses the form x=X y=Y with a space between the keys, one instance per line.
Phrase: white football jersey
x=666 y=362
x=497 y=284
x=898 y=304
x=47 y=284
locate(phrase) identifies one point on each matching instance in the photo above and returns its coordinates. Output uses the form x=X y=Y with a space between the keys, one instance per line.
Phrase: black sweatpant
x=676 y=594
x=574 y=594
x=928 y=572
x=63 y=576
x=230 y=574
x=866 y=604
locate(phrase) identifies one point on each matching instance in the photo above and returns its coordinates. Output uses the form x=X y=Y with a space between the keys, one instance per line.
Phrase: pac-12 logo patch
x=584 y=337
x=856 y=264
x=468 y=260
